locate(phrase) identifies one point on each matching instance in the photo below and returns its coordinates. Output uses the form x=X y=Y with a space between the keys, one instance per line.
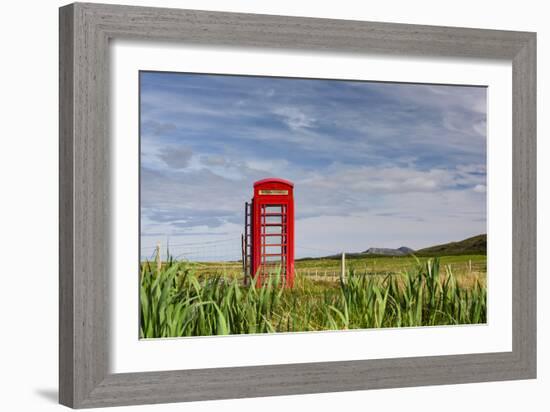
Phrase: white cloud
x=294 y=118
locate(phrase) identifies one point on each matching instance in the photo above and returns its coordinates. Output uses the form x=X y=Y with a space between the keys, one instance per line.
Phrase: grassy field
x=465 y=268
x=201 y=299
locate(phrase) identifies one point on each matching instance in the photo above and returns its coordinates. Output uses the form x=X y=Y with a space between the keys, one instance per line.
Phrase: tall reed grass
x=175 y=301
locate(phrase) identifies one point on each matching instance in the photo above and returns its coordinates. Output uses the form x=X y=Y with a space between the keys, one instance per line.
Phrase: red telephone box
x=269 y=231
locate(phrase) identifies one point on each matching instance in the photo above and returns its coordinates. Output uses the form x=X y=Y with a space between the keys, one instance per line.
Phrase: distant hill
x=476 y=245
x=371 y=252
x=382 y=251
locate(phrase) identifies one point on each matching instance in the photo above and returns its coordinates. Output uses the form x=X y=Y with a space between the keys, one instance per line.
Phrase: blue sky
x=374 y=164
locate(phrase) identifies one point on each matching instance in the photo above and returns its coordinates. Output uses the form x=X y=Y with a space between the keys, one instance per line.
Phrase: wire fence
x=228 y=252
x=225 y=256
x=218 y=250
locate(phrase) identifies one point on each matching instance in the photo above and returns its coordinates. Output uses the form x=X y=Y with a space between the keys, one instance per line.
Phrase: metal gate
x=247 y=243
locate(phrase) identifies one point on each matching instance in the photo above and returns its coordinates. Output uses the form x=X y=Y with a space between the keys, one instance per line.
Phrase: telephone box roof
x=273 y=180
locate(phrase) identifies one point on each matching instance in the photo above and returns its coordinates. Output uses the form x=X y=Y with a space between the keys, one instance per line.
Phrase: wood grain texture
x=66 y=228
x=85 y=31
x=524 y=207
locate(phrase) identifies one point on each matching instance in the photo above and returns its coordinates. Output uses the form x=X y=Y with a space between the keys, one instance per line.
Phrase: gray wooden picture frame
x=85 y=32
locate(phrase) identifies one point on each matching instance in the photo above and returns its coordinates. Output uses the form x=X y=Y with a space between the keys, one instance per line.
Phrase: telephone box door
x=273 y=230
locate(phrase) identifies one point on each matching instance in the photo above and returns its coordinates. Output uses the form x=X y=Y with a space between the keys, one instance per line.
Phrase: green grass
x=465 y=267
x=183 y=299
x=472 y=245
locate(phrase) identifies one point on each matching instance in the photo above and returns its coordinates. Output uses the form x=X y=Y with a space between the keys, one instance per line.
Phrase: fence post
x=159 y=262
x=343 y=275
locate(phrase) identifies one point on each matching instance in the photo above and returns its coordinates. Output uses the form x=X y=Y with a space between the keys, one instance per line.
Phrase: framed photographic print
x=256 y=205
